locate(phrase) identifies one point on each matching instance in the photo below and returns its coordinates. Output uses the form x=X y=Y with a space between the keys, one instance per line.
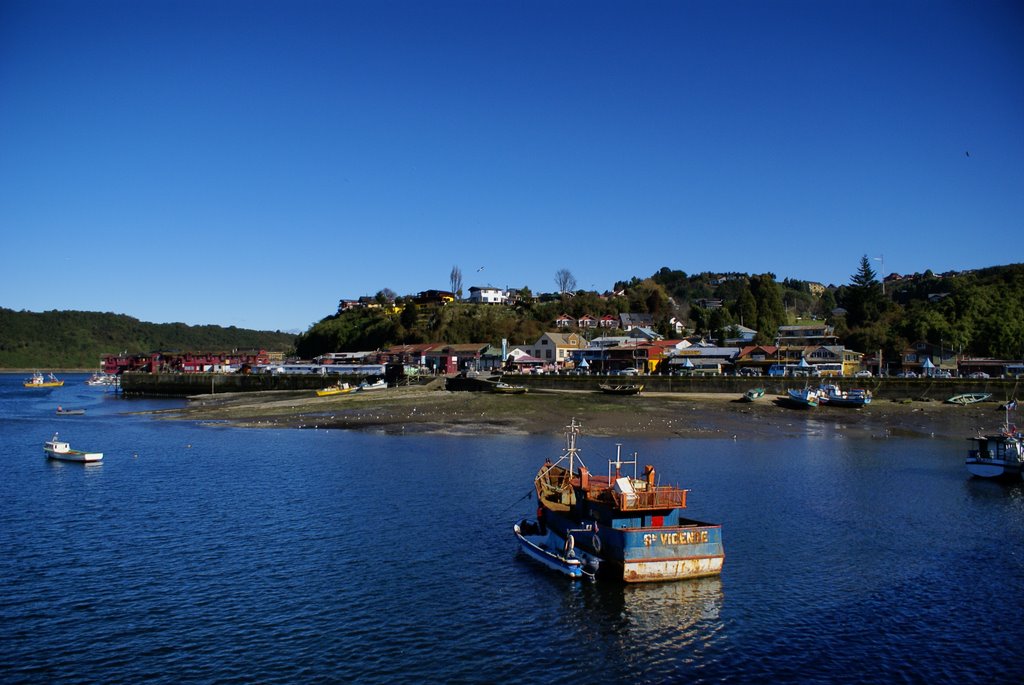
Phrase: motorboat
x=556 y=553
x=969 y=398
x=55 y=448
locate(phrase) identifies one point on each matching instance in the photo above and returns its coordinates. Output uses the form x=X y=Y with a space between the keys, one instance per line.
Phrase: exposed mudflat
x=432 y=409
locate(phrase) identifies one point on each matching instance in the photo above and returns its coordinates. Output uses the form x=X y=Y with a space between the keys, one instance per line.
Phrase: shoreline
x=423 y=409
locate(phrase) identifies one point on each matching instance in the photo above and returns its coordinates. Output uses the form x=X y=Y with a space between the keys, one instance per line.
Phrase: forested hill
x=71 y=339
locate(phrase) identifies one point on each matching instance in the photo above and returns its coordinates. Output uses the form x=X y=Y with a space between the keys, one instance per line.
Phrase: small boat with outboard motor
x=630 y=526
x=543 y=545
x=834 y=396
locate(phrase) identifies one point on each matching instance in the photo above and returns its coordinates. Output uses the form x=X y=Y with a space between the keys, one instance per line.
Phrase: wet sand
x=427 y=409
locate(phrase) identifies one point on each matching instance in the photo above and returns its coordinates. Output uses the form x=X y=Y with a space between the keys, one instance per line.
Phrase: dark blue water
x=211 y=554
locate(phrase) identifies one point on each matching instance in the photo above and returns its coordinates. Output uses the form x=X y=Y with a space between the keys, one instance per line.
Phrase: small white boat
x=998 y=455
x=103 y=380
x=58 y=449
x=545 y=546
x=380 y=384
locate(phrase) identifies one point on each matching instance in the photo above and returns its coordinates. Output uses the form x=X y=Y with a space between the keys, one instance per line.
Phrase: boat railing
x=660 y=497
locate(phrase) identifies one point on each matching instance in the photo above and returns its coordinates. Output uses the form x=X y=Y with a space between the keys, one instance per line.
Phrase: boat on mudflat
x=834 y=396
x=753 y=395
x=545 y=546
x=38 y=380
x=624 y=389
x=339 y=389
x=58 y=449
x=969 y=398
x=803 y=398
x=631 y=526
x=508 y=388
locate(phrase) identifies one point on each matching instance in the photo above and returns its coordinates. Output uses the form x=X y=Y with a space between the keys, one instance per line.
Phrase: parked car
x=747 y=371
x=863 y=373
x=906 y=374
x=978 y=374
x=943 y=374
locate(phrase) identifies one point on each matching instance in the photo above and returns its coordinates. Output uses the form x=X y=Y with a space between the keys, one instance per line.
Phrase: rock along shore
x=423 y=409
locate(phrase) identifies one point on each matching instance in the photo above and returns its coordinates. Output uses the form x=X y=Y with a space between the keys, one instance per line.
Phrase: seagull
x=967 y=152
x=480 y=269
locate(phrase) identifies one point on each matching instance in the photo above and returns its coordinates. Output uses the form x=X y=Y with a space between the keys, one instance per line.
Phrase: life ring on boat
x=596 y=542
x=570 y=543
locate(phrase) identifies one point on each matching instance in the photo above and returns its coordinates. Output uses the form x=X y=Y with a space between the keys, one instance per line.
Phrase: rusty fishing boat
x=634 y=528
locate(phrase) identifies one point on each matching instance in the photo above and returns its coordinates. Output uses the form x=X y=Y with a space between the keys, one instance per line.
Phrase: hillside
x=72 y=339
x=978 y=313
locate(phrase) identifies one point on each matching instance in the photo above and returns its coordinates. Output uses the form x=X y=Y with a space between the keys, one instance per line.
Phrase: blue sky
x=251 y=163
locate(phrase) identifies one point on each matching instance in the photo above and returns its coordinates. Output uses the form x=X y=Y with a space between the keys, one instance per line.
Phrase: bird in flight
x=480 y=269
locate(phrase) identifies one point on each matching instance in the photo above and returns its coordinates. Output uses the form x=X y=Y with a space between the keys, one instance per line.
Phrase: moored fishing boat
x=998 y=455
x=37 y=380
x=546 y=547
x=633 y=525
x=969 y=398
x=58 y=449
x=102 y=380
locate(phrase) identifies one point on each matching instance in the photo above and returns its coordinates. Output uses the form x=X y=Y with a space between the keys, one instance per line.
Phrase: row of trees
x=73 y=339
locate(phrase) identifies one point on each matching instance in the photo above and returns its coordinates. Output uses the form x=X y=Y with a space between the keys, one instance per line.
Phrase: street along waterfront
x=203 y=553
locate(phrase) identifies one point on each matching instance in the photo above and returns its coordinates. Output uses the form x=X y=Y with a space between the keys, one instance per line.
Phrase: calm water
x=211 y=554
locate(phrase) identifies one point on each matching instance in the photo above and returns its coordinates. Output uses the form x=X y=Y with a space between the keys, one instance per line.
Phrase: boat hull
x=549 y=551
x=984 y=468
x=650 y=554
x=74 y=456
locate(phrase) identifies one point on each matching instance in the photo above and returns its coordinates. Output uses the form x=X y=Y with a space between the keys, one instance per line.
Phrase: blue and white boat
x=834 y=396
x=803 y=398
x=556 y=553
x=998 y=455
x=632 y=526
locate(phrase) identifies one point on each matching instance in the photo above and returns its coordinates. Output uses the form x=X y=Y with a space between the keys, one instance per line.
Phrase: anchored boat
x=39 y=381
x=58 y=449
x=545 y=546
x=633 y=527
x=998 y=455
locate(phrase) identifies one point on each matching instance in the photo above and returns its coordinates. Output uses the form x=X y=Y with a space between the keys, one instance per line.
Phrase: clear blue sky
x=251 y=163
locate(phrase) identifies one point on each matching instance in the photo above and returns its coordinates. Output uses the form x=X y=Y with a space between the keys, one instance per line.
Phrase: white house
x=487 y=295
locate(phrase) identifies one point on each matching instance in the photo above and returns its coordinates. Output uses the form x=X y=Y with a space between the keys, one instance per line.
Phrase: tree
x=863 y=299
x=770 y=313
x=565 y=281
x=409 y=315
x=456 y=281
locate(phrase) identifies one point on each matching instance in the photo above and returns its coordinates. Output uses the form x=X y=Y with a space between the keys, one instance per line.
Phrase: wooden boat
x=58 y=449
x=61 y=411
x=508 y=388
x=753 y=395
x=339 y=389
x=380 y=384
x=39 y=381
x=969 y=398
x=546 y=547
x=630 y=525
x=803 y=398
x=627 y=389
x=834 y=396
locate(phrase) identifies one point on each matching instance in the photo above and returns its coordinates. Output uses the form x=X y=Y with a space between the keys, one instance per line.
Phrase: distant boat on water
x=37 y=380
